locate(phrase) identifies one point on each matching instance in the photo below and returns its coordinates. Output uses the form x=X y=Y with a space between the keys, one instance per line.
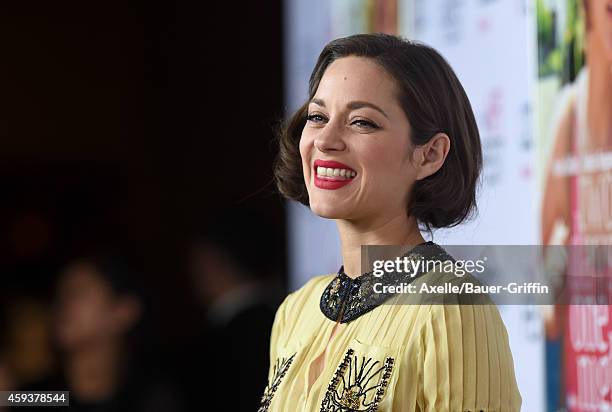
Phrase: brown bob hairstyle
x=434 y=101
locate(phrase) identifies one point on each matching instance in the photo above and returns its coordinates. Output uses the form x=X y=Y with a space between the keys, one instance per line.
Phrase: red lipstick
x=332 y=182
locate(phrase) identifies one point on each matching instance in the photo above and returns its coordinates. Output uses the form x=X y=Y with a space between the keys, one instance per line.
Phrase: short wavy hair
x=433 y=100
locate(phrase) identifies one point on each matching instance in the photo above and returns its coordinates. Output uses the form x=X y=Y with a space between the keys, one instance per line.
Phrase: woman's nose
x=329 y=139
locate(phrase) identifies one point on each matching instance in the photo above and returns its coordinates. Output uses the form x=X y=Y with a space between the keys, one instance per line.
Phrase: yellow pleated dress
x=394 y=357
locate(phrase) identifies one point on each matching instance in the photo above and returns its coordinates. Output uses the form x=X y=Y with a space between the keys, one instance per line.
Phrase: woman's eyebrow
x=359 y=104
x=353 y=105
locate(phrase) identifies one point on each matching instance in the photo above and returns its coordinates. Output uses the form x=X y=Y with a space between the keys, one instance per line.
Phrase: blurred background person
x=231 y=262
x=97 y=314
x=26 y=353
x=105 y=130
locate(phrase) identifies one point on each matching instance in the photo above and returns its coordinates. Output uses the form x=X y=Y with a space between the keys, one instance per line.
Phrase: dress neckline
x=345 y=299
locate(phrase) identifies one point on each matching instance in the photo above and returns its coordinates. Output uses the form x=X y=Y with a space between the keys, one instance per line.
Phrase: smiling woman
x=386 y=145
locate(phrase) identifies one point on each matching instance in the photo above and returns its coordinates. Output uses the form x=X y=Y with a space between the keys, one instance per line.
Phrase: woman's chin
x=328 y=210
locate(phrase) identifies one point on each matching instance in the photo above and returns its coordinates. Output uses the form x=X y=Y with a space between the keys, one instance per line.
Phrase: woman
x=386 y=142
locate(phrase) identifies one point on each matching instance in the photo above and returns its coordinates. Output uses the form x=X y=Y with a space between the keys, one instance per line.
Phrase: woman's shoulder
x=451 y=287
x=460 y=305
x=470 y=343
x=310 y=291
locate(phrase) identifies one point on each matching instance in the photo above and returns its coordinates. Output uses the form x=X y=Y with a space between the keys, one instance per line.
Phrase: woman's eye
x=315 y=118
x=365 y=124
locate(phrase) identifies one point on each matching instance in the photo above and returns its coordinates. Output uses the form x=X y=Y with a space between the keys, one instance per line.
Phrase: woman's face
x=355 y=147
x=600 y=17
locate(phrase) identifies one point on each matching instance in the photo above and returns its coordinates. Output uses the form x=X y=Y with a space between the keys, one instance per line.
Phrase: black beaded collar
x=345 y=299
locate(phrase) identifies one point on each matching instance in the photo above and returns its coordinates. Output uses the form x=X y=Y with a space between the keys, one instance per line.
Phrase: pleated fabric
x=445 y=357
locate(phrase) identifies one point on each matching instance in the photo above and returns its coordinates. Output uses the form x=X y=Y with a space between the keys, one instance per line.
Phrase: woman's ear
x=430 y=157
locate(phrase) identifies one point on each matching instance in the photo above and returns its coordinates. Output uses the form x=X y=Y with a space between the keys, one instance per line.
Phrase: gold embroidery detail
x=349 y=392
x=280 y=369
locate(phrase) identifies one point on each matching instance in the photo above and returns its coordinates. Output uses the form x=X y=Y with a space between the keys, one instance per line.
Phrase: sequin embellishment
x=345 y=299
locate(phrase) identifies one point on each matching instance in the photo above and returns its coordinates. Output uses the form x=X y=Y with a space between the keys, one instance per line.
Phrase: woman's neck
x=599 y=106
x=396 y=230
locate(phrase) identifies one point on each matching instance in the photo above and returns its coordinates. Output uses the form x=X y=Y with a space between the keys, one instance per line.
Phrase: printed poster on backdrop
x=575 y=146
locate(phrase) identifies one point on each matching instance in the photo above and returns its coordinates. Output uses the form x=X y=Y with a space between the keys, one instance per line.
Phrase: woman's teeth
x=339 y=173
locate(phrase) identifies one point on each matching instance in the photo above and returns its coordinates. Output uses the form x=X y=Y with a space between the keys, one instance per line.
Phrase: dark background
x=130 y=124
